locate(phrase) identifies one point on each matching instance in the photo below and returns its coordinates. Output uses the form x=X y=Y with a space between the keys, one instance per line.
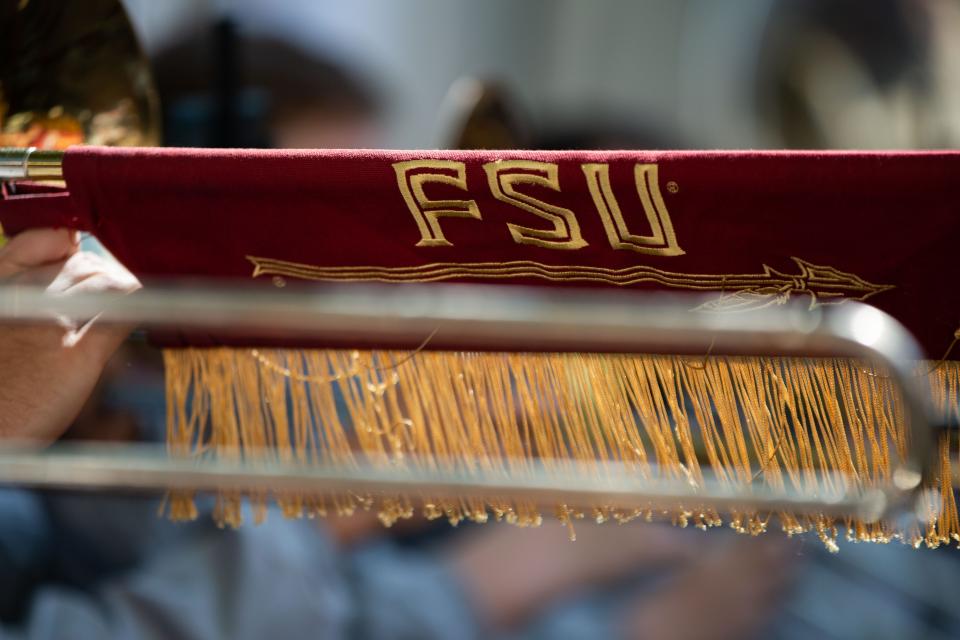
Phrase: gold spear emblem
x=824 y=285
x=738 y=292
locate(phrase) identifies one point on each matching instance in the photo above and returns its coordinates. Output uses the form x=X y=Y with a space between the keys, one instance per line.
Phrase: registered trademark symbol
x=279 y=282
x=673 y=187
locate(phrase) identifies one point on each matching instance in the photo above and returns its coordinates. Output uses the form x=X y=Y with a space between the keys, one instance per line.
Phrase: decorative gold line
x=386 y=275
x=455 y=272
x=482 y=265
x=268 y=265
x=769 y=283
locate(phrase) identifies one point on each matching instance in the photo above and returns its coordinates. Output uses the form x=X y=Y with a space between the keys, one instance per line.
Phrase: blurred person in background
x=839 y=75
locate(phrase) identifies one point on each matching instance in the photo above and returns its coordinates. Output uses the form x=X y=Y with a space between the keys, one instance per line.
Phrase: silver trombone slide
x=480 y=317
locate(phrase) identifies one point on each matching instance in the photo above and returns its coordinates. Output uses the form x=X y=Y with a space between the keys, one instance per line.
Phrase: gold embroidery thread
x=662 y=240
x=412 y=175
x=824 y=285
x=779 y=421
x=505 y=176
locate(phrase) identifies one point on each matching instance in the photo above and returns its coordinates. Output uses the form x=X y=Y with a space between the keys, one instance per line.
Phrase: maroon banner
x=757 y=228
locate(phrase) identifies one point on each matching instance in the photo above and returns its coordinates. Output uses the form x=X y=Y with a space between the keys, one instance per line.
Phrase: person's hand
x=47 y=371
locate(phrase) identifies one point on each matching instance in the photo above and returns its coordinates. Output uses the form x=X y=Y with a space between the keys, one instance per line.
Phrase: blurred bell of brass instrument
x=70 y=73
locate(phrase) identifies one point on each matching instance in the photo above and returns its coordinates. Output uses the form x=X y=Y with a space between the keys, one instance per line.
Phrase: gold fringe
x=779 y=420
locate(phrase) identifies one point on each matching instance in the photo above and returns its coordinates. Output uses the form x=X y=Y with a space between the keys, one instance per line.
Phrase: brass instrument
x=73 y=73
